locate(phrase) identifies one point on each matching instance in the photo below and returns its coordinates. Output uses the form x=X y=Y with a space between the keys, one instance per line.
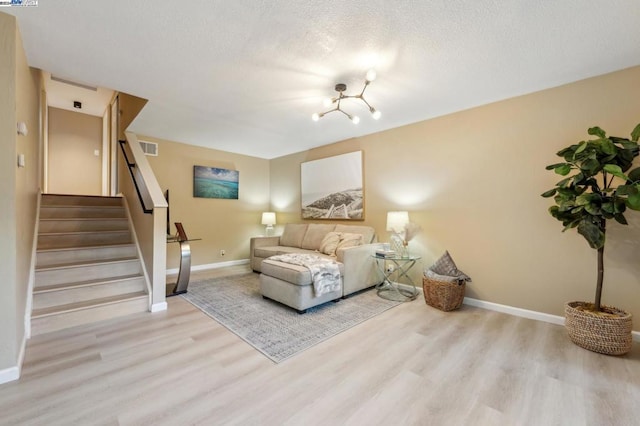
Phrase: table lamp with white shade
x=268 y=220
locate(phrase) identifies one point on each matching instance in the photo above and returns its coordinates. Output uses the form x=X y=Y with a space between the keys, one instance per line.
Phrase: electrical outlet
x=222 y=252
x=390 y=268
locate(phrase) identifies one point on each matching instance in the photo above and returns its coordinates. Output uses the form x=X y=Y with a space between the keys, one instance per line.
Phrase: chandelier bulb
x=327 y=102
x=355 y=119
x=315 y=117
x=371 y=75
x=376 y=114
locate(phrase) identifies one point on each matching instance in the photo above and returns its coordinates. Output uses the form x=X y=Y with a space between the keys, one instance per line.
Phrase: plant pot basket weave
x=597 y=333
x=443 y=295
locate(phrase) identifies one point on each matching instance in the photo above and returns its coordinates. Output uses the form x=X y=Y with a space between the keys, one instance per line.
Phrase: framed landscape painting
x=332 y=188
x=212 y=182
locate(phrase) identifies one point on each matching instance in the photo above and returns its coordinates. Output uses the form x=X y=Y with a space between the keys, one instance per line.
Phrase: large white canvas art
x=332 y=188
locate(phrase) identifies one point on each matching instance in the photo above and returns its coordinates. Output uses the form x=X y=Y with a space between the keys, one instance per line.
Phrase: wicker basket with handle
x=443 y=295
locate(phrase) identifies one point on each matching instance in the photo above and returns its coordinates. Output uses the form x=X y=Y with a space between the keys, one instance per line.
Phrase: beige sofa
x=291 y=284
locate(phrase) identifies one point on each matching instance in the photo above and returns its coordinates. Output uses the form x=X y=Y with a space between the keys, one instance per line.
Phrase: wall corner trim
x=159 y=307
x=525 y=313
x=13 y=373
x=9 y=374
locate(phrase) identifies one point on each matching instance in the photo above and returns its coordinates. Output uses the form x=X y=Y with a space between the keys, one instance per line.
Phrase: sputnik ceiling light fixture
x=341 y=88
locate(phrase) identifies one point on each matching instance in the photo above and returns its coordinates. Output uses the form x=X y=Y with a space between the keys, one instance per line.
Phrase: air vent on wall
x=149 y=148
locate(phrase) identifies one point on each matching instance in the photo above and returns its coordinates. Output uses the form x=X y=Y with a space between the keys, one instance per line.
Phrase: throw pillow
x=349 y=240
x=330 y=243
x=444 y=278
x=446 y=266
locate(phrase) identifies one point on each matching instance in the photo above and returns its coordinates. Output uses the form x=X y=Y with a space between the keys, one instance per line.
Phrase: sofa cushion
x=367 y=232
x=314 y=235
x=293 y=234
x=264 y=252
x=330 y=243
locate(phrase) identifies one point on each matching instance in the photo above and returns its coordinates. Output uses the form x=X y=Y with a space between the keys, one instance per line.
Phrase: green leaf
x=607 y=146
x=563 y=170
x=608 y=207
x=597 y=131
x=563 y=183
x=634 y=174
x=635 y=134
x=583 y=145
x=592 y=233
x=553 y=166
x=549 y=193
x=593 y=209
x=627 y=190
x=633 y=201
x=621 y=219
x=588 y=198
x=577 y=179
x=615 y=170
x=570 y=225
x=590 y=165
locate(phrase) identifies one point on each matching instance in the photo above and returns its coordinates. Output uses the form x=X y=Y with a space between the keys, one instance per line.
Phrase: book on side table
x=385 y=253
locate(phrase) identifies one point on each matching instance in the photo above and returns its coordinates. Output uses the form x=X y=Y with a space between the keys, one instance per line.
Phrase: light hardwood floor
x=411 y=365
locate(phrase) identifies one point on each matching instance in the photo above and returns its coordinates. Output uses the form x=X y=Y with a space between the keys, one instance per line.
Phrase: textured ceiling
x=246 y=75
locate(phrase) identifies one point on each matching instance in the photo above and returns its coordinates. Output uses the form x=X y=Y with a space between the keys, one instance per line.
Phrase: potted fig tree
x=598 y=185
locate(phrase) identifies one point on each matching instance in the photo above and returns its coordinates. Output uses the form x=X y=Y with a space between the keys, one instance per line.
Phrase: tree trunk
x=600 y=277
x=600 y=269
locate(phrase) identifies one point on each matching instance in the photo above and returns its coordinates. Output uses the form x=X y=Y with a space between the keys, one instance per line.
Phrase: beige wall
x=222 y=224
x=472 y=181
x=129 y=107
x=19 y=94
x=72 y=165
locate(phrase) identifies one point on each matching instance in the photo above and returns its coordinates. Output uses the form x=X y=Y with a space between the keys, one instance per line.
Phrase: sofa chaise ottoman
x=292 y=285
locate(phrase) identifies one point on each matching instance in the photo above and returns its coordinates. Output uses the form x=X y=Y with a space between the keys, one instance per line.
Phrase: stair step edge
x=80 y=306
x=88 y=283
x=86 y=263
x=121 y=245
x=88 y=219
x=83 y=233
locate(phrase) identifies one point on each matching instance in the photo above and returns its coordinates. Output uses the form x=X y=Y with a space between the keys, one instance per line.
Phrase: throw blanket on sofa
x=325 y=273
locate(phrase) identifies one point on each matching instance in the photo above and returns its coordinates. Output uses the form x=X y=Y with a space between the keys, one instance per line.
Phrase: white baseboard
x=159 y=307
x=9 y=374
x=525 y=313
x=211 y=266
x=13 y=373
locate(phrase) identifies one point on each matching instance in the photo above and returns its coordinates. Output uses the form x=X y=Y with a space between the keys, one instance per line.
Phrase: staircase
x=87 y=266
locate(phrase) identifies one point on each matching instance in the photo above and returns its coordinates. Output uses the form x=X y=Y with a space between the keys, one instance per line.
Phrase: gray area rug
x=275 y=330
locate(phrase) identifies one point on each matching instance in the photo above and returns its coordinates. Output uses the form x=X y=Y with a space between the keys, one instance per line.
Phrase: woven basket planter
x=443 y=295
x=610 y=335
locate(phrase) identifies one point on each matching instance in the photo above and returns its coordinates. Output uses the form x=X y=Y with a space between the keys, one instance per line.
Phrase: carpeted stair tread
x=86 y=263
x=78 y=306
x=101 y=246
x=87 y=283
